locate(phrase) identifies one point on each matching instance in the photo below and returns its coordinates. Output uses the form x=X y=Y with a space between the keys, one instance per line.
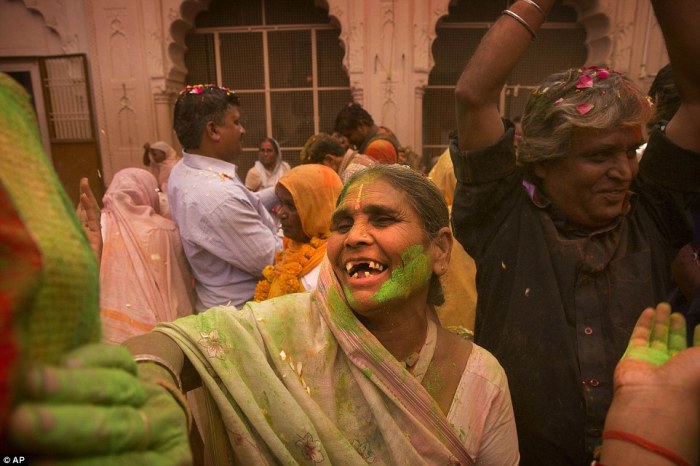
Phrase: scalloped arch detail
x=590 y=13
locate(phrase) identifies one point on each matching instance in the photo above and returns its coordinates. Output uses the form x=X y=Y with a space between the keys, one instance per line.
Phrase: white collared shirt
x=227 y=233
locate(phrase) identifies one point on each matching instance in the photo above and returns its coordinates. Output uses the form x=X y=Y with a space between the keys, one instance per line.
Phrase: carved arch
x=592 y=14
x=181 y=22
x=596 y=21
x=54 y=16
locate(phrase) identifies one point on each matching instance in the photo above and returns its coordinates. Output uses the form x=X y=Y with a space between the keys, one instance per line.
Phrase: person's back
x=227 y=233
x=144 y=275
x=568 y=258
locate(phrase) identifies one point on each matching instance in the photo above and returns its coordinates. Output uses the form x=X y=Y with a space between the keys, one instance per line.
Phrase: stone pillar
x=164 y=103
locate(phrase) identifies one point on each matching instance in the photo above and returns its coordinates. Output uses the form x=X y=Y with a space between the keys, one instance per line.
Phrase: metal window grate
x=200 y=59
x=242 y=64
x=69 y=115
x=290 y=59
x=283 y=58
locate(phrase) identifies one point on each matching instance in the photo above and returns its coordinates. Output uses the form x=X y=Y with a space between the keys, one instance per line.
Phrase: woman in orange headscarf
x=307 y=194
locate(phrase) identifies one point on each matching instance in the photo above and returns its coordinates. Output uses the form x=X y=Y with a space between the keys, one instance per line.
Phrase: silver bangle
x=537 y=7
x=517 y=17
x=162 y=363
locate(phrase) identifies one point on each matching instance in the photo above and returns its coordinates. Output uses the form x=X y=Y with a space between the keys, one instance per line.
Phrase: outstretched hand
x=94 y=410
x=89 y=216
x=655 y=354
x=657 y=394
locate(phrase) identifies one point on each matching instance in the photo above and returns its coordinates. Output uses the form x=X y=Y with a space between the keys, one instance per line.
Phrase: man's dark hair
x=350 y=118
x=318 y=145
x=196 y=106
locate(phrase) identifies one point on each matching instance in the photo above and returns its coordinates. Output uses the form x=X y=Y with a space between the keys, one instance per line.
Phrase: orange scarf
x=314 y=189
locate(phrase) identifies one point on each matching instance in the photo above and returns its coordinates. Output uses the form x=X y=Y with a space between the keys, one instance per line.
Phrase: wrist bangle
x=647 y=445
x=175 y=389
x=537 y=7
x=162 y=363
x=519 y=19
x=176 y=393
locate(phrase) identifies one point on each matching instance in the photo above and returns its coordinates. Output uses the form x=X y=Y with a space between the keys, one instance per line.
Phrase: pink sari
x=144 y=275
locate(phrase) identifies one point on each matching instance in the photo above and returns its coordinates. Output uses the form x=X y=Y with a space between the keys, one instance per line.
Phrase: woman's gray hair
x=425 y=198
x=595 y=98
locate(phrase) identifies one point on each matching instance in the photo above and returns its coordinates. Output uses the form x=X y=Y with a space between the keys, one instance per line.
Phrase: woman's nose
x=358 y=234
x=623 y=168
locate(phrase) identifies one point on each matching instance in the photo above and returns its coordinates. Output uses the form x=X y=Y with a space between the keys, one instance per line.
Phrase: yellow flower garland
x=284 y=276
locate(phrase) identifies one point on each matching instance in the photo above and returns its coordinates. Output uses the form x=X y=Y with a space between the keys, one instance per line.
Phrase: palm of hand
x=655 y=359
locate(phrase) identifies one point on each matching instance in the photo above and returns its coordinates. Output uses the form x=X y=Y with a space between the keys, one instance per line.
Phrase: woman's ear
x=441 y=249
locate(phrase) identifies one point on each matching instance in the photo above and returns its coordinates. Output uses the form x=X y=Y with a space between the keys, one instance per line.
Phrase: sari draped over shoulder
x=298 y=379
x=144 y=275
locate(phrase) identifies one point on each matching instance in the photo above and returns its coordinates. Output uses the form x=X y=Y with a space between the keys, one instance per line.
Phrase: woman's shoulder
x=485 y=365
x=253 y=178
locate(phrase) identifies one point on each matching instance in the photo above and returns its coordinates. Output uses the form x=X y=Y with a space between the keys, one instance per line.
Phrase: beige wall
x=135 y=52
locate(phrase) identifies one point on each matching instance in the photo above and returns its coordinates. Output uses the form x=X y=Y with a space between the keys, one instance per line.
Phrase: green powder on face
x=414 y=273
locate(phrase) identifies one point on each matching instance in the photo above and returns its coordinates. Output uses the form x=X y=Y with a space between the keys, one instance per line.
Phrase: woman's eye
x=341 y=226
x=383 y=221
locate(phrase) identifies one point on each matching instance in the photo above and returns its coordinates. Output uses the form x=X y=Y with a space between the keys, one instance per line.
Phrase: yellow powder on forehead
x=359 y=196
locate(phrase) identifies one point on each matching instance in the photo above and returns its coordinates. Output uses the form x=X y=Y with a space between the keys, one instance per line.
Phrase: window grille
x=69 y=105
x=284 y=60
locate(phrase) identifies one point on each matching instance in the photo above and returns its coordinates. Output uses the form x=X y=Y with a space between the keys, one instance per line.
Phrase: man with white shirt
x=227 y=232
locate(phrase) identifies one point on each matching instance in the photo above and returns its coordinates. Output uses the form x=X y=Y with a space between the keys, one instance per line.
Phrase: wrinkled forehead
x=375 y=192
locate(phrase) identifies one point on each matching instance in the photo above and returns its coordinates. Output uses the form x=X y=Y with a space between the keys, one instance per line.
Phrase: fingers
x=642 y=329
x=84 y=385
x=101 y=355
x=659 y=334
x=66 y=430
x=89 y=205
x=83 y=430
x=677 y=335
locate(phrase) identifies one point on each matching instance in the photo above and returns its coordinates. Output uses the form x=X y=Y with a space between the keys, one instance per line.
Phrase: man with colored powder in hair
x=357 y=125
x=227 y=232
x=569 y=242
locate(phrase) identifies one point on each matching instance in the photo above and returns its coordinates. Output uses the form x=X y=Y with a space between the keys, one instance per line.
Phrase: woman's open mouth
x=364 y=269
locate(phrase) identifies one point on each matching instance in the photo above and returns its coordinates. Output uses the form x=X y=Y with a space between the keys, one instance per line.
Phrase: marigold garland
x=285 y=274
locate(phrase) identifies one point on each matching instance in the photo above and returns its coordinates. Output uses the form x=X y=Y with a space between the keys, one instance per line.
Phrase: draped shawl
x=298 y=379
x=144 y=275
